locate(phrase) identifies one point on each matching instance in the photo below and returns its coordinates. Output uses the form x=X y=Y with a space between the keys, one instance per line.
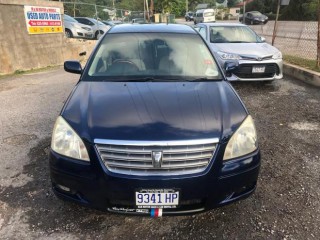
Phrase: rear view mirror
x=72 y=67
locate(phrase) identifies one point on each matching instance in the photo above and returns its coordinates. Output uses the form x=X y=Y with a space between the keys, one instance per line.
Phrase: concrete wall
x=21 y=51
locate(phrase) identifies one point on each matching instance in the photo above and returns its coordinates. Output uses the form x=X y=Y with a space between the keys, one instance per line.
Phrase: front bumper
x=260 y=21
x=274 y=70
x=92 y=185
x=81 y=33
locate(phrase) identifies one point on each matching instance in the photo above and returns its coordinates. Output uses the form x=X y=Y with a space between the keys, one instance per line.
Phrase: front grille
x=135 y=157
x=245 y=71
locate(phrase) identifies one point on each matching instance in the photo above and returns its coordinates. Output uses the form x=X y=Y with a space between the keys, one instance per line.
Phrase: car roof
x=160 y=28
x=222 y=24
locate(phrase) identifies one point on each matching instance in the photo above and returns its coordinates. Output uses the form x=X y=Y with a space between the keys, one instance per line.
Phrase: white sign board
x=285 y=2
x=42 y=20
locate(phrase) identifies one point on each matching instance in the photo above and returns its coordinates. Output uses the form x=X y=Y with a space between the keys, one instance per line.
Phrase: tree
x=300 y=10
x=232 y=3
x=257 y=5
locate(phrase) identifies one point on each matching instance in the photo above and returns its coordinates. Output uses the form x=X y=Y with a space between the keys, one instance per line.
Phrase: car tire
x=68 y=33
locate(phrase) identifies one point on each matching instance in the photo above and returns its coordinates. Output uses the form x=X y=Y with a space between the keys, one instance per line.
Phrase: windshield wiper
x=153 y=79
x=240 y=42
x=201 y=79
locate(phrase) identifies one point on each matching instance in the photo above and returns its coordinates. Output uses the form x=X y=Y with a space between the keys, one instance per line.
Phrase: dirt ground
x=285 y=205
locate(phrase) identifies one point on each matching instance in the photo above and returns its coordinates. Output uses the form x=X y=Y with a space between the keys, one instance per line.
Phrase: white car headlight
x=277 y=55
x=243 y=141
x=229 y=56
x=66 y=141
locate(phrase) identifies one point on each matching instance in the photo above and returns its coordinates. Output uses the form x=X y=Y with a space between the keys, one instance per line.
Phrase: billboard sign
x=43 y=20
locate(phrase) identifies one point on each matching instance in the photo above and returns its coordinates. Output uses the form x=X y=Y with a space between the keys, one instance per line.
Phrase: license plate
x=258 y=69
x=157 y=198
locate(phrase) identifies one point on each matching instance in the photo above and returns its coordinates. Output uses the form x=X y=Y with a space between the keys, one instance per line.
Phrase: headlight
x=86 y=28
x=243 y=141
x=229 y=56
x=66 y=141
x=277 y=55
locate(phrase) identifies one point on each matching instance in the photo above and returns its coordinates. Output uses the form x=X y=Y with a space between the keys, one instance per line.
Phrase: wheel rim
x=67 y=33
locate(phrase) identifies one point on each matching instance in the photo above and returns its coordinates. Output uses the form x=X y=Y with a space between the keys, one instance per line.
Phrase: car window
x=200 y=14
x=131 y=55
x=208 y=14
x=203 y=32
x=233 y=34
x=256 y=14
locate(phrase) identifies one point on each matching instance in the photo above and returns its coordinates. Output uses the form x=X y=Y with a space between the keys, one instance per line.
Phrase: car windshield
x=233 y=34
x=96 y=22
x=256 y=14
x=208 y=14
x=153 y=56
x=69 y=19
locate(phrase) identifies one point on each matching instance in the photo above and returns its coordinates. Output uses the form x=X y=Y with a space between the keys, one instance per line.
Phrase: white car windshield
x=233 y=34
x=140 y=55
x=69 y=19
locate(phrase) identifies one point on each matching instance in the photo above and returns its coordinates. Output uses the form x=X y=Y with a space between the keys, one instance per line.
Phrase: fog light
x=64 y=188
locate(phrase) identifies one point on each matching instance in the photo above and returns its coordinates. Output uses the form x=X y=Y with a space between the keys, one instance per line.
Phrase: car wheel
x=68 y=33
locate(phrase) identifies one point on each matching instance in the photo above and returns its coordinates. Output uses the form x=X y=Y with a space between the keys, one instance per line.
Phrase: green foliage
x=302 y=62
x=300 y=10
x=232 y=3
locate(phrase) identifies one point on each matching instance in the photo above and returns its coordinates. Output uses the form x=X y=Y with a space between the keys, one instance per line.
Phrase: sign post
x=280 y=3
x=318 y=38
x=43 y=20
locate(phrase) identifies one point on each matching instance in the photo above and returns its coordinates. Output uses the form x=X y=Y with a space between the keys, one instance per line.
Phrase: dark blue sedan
x=153 y=128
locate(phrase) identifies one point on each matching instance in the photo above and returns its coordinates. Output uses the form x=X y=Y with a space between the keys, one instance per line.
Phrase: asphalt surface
x=285 y=205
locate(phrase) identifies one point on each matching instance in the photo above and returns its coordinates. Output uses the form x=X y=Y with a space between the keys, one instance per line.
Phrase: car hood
x=156 y=111
x=246 y=49
x=74 y=24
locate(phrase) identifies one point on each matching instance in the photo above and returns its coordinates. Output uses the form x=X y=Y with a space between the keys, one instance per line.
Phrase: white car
x=234 y=42
x=98 y=27
x=74 y=29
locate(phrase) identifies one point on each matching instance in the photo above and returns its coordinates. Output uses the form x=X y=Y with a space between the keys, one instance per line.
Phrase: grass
x=302 y=62
x=33 y=70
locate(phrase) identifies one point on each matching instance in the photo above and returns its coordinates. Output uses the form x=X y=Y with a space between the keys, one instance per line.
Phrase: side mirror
x=231 y=67
x=263 y=39
x=72 y=67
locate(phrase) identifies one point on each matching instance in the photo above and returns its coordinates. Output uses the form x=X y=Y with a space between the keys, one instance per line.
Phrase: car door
x=248 y=18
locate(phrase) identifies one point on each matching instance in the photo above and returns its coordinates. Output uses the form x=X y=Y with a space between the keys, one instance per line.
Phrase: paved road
x=285 y=206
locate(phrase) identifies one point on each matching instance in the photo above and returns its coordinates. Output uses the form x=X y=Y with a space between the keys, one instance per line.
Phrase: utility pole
x=144 y=10
x=276 y=23
x=244 y=8
x=147 y=4
x=318 y=40
x=187 y=7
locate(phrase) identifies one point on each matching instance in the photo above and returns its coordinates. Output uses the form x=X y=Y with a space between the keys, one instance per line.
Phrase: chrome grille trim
x=135 y=157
